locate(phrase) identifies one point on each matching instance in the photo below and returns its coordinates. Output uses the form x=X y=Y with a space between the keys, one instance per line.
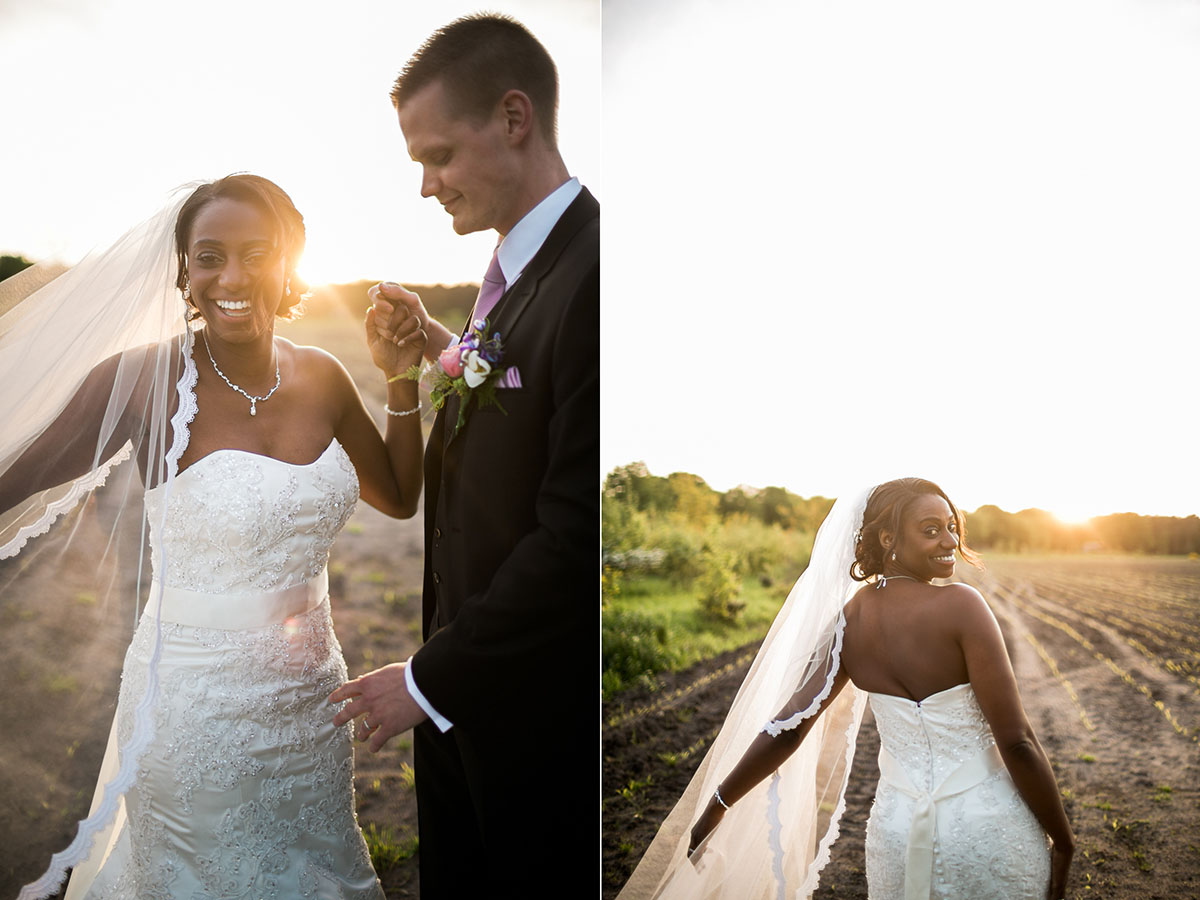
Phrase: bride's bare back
x=905 y=639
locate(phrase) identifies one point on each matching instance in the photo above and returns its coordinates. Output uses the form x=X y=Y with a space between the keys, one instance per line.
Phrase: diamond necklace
x=254 y=401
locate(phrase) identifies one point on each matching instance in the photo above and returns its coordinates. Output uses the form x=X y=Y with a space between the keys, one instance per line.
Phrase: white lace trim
x=777 y=726
x=824 y=848
x=143 y=723
x=775 y=836
x=181 y=433
x=79 y=488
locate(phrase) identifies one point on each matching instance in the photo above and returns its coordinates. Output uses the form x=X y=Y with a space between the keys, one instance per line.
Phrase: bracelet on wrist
x=717 y=796
x=403 y=412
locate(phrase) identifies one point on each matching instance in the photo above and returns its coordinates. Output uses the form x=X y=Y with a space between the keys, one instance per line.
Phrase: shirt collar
x=522 y=243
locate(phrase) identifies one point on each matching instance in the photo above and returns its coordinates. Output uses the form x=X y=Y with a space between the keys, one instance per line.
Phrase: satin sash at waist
x=237 y=610
x=918 y=868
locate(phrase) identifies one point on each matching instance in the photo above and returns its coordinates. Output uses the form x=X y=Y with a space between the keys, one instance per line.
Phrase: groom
x=503 y=692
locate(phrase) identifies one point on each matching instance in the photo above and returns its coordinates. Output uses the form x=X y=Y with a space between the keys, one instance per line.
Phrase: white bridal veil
x=774 y=842
x=89 y=367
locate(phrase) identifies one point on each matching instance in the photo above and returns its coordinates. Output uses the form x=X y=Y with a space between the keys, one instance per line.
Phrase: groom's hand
x=382 y=699
x=394 y=305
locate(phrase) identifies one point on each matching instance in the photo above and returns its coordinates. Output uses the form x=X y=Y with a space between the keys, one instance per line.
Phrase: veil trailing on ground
x=90 y=363
x=774 y=842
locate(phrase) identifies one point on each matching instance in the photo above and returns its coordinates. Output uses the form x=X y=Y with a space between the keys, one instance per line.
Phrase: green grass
x=389 y=849
x=692 y=635
x=408 y=776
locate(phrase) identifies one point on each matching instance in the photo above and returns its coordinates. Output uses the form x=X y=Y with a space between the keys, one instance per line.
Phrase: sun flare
x=1072 y=514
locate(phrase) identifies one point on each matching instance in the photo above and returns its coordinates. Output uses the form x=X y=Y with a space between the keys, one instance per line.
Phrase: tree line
x=632 y=493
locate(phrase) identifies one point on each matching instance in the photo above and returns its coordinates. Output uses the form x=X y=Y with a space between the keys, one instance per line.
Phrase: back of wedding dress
x=947 y=821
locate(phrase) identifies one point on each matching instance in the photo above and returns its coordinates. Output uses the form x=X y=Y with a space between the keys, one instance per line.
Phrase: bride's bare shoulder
x=967 y=609
x=853 y=604
x=857 y=598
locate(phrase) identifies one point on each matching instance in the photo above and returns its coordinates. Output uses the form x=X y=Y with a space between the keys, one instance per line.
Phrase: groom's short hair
x=479 y=58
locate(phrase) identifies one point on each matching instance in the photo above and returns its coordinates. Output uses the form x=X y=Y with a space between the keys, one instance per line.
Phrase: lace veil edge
x=55 y=335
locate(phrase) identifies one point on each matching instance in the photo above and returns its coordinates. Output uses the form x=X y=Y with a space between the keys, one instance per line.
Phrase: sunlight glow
x=316 y=119
x=937 y=238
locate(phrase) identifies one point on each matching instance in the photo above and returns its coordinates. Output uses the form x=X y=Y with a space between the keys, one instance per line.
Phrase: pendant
x=253 y=410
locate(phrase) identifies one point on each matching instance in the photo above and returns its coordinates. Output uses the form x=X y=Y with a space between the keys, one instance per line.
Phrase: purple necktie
x=491 y=289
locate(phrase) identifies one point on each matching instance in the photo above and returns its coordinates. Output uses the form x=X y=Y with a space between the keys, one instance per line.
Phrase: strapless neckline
x=924 y=700
x=216 y=453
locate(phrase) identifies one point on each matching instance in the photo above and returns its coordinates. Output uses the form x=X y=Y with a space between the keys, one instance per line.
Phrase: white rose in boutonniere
x=469 y=369
x=475 y=369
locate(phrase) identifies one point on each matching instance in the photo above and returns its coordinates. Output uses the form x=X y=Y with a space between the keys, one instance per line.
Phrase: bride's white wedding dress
x=946 y=810
x=247 y=790
x=947 y=820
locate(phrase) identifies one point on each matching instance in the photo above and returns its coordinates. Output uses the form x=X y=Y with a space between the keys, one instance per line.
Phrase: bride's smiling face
x=927 y=541
x=236 y=274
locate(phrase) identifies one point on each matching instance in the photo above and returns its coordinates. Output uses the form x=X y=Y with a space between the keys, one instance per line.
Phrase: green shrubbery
x=635 y=648
x=690 y=572
x=719 y=588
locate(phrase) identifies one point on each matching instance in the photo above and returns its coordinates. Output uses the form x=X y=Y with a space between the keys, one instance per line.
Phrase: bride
x=966 y=798
x=224 y=774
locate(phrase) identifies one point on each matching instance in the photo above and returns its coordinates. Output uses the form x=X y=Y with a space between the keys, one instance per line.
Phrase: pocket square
x=511 y=378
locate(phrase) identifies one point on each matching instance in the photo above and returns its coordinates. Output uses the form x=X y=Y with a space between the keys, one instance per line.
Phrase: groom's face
x=466 y=164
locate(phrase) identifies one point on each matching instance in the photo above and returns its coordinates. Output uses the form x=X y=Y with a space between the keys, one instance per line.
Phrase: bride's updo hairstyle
x=886 y=508
x=279 y=208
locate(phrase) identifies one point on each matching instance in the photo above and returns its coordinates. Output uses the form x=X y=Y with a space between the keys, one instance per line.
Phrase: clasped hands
x=382 y=700
x=396 y=326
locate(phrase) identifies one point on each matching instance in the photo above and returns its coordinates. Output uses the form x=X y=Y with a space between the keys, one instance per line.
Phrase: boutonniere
x=470 y=368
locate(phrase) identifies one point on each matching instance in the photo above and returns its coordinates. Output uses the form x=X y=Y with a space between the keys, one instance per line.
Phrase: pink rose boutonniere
x=470 y=368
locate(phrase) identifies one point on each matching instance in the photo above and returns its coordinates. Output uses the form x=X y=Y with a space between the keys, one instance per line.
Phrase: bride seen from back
x=967 y=804
x=224 y=773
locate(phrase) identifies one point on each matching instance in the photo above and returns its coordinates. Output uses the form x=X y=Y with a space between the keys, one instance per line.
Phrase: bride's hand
x=709 y=819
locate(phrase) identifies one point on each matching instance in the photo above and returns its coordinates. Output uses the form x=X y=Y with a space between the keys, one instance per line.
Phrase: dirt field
x=1107 y=652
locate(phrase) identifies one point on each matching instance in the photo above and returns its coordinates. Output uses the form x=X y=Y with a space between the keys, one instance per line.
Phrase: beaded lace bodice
x=931 y=738
x=239 y=520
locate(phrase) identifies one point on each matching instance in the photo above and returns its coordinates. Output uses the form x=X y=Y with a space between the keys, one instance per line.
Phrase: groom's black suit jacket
x=512 y=524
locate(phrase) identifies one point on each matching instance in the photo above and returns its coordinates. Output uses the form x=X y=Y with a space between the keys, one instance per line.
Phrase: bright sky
x=108 y=105
x=855 y=239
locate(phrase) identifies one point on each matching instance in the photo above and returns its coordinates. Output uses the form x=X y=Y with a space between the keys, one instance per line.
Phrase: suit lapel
x=512 y=305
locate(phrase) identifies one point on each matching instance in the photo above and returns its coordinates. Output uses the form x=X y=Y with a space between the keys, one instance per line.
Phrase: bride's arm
x=764 y=756
x=389 y=470
x=995 y=686
x=67 y=448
